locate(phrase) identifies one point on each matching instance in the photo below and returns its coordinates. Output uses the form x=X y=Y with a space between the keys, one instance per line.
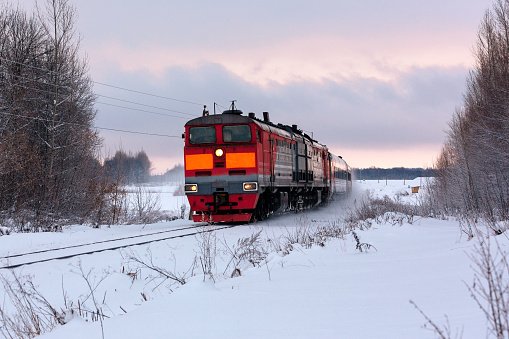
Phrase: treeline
x=128 y=168
x=395 y=173
x=174 y=175
x=473 y=167
x=50 y=173
x=48 y=164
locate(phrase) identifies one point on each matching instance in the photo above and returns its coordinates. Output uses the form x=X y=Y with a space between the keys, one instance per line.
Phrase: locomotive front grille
x=203 y=173
x=221 y=199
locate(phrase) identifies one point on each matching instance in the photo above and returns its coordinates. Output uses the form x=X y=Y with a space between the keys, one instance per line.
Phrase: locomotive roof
x=219 y=119
x=237 y=118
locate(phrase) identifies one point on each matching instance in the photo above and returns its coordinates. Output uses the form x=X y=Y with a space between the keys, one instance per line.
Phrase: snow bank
x=321 y=292
x=4 y=230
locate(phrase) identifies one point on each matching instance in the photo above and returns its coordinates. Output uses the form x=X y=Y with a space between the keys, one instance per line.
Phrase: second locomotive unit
x=240 y=168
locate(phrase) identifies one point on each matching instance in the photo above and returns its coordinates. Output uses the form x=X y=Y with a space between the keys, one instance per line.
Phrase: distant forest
x=176 y=174
x=129 y=168
x=395 y=173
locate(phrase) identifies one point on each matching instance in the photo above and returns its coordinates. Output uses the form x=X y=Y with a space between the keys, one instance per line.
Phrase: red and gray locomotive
x=240 y=168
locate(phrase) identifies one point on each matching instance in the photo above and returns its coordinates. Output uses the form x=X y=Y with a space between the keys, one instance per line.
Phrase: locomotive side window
x=202 y=135
x=238 y=133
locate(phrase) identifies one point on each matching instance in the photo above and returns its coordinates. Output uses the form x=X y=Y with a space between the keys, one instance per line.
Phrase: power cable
x=41 y=81
x=140 y=110
x=221 y=106
x=104 y=103
x=108 y=85
x=145 y=93
x=145 y=105
x=99 y=95
x=97 y=127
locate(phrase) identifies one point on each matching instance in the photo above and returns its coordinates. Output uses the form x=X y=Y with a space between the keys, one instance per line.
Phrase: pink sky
x=376 y=81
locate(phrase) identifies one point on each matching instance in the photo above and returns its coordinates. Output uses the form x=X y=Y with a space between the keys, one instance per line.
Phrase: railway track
x=66 y=252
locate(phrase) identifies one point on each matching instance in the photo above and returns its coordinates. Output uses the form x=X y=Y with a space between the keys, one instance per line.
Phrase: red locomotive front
x=220 y=159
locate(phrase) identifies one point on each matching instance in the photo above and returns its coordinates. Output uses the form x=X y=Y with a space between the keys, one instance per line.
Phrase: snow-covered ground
x=333 y=291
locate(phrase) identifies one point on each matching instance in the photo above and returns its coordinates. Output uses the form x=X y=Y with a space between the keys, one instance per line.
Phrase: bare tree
x=48 y=166
x=473 y=168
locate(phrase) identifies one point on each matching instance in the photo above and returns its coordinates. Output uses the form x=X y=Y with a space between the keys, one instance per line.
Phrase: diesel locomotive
x=241 y=168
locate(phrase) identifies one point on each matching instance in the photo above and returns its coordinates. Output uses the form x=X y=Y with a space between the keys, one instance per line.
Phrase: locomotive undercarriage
x=270 y=201
x=284 y=200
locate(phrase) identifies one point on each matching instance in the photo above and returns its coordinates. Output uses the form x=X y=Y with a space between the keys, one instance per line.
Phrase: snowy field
x=331 y=291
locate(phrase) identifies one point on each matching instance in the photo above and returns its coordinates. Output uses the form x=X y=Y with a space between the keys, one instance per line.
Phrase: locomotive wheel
x=262 y=210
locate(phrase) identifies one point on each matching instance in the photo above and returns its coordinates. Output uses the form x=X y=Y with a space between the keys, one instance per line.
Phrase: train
x=241 y=168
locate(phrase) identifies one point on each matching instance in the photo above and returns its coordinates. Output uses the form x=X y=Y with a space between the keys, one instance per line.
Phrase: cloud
x=308 y=57
x=376 y=81
x=282 y=41
x=363 y=114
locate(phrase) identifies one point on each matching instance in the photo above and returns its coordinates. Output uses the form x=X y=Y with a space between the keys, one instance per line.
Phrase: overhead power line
x=97 y=127
x=109 y=85
x=108 y=104
x=41 y=81
x=138 y=132
x=99 y=95
x=149 y=94
x=140 y=110
x=140 y=104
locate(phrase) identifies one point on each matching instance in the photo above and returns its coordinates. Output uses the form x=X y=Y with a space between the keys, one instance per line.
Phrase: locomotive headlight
x=250 y=186
x=191 y=188
x=219 y=152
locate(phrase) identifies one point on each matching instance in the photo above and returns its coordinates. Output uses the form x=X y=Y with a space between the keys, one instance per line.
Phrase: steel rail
x=67 y=256
x=96 y=242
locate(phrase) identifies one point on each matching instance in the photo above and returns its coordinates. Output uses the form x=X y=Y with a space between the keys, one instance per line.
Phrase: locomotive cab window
x=237 y=133
x=202 y=135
